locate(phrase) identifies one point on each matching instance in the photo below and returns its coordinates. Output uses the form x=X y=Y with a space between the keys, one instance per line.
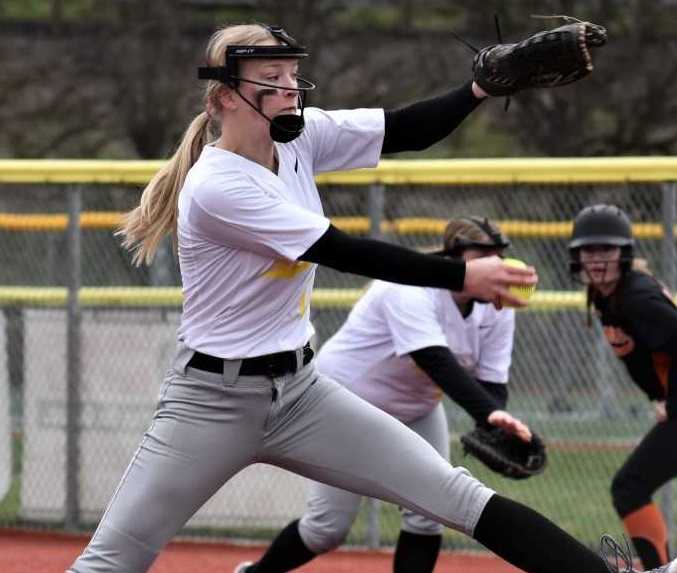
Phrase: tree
x=118 y=80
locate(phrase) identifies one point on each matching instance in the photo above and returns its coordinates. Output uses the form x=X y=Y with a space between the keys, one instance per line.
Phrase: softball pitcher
x=401 y=348
x=639 y=320
x=243 y=387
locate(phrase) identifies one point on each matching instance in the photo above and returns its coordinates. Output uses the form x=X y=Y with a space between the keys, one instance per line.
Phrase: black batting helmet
x=601 y=224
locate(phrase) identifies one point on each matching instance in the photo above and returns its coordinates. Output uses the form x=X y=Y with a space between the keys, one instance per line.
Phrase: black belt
x=272 y=365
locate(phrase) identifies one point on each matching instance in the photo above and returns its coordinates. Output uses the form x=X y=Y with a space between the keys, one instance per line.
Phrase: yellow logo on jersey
x=304 y=304
x=286 y=270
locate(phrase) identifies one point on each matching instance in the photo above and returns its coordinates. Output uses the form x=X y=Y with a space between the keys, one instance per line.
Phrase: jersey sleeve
x=652 y=316
x=496 y=344
x=245 y=217
x=412 y=319
x=344 y=139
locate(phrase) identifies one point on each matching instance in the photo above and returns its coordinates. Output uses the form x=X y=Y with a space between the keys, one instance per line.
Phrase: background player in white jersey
x=400 y=349
x=243 y=387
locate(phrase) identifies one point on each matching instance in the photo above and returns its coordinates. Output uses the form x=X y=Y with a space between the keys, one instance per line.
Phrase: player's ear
x=227 y=98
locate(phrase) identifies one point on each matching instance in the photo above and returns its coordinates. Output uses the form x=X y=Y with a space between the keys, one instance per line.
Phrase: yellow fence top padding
x=102 y=220
x=109 y=220
x=171 y=296
x=66 y=171
x=388 y=172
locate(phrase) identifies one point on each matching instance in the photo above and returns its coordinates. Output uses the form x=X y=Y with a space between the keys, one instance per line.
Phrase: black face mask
x=287 y=127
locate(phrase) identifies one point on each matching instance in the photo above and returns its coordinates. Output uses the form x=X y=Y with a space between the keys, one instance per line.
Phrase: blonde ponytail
x=144 y=227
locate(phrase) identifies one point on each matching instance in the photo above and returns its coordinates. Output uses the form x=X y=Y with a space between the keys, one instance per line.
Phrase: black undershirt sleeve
x=653 y=318
x=420 y=125
x=381 y=260
x=498 y=391
x=441 y=365
x=670 y=348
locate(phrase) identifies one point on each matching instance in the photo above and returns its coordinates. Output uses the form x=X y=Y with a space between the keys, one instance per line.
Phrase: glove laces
x=615 y=556
x=467 y=44
x=567 y=19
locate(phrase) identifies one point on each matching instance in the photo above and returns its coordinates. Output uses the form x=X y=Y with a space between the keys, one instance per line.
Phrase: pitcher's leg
x=540 y=546
x=346 y=442
x=201 y=436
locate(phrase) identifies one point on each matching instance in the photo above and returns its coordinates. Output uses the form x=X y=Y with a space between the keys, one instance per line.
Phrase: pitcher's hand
x=489 y=278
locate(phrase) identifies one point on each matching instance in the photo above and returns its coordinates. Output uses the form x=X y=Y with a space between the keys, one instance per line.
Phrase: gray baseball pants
x=207 y=427
x=331 y=511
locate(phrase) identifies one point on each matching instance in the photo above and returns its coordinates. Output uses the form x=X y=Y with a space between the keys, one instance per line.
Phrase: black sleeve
x=640 y=366
x=651 y=315
x=381 y=260
x=441 y=365
x=498 y=391
x=670 y=348
x=420 y=125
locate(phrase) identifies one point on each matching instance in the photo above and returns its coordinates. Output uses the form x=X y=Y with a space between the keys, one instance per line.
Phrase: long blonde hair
x=144 y=227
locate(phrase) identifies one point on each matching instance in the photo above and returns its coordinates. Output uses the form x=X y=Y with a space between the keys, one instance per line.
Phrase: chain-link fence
x=79 y=375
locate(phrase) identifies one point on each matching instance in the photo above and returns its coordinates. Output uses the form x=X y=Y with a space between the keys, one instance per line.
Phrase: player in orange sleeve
x=639 y=319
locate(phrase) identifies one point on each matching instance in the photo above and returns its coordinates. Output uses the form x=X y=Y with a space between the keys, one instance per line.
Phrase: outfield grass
x=9 y=506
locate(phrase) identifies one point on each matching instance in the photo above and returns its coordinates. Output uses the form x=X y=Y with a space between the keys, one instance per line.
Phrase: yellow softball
x=520 y=290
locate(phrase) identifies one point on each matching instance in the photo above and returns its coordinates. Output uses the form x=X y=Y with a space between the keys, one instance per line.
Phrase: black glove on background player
x=505 y=453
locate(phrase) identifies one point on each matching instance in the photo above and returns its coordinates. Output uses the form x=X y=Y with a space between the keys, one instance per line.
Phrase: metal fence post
x=73 y=371
x=373 y=525
x=161 y=270
x=669 y=210
x=376 y=205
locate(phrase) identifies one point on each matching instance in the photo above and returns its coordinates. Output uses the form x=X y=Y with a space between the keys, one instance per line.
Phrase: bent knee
x=325 y=534
x=420 y=525
x=628 y=493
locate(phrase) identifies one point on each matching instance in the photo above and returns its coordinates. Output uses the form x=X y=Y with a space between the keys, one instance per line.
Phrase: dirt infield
x=22 y=552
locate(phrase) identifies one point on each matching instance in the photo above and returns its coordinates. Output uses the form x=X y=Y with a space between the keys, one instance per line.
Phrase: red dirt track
x=22 y=552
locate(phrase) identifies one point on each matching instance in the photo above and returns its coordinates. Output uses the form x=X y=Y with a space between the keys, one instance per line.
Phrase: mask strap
x=279 y=132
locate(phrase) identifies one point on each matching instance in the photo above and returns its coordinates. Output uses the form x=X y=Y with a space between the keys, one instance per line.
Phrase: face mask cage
x=576 y=266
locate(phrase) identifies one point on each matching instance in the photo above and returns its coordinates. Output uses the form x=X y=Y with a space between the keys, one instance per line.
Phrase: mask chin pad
x=286 y=127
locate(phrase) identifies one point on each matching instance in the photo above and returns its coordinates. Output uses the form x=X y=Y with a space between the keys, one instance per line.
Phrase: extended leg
x=651 y=464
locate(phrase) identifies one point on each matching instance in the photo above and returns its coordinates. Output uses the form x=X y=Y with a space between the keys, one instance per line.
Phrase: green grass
x=9 y=506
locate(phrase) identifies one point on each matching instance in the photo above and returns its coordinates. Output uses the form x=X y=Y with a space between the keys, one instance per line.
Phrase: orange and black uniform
x=640 y=322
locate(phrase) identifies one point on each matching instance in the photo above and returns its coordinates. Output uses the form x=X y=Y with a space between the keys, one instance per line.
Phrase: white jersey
x=370 y=353
x=241 y=228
